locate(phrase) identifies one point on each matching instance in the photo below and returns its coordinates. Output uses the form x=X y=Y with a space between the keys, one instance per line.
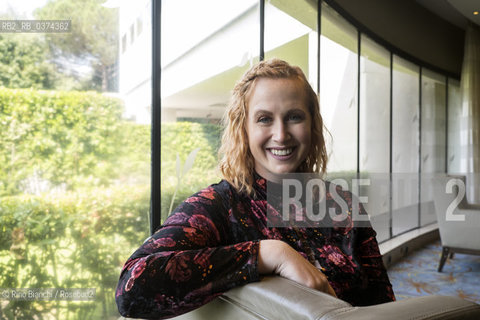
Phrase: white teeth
x=281 y=152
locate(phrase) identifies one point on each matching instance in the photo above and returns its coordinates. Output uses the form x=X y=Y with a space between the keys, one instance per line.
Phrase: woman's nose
x=280 y=132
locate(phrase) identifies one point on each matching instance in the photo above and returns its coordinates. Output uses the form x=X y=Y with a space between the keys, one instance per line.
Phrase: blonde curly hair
x=237 y=164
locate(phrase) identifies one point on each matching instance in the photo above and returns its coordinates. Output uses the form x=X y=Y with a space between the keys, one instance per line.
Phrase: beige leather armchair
x=458 y=221
x=277 y=298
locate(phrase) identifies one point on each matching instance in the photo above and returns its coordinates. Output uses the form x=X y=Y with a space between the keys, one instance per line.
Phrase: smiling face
x=278 y=126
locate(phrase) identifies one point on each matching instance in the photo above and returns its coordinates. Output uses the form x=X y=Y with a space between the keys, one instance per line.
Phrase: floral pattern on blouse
x=209 y=244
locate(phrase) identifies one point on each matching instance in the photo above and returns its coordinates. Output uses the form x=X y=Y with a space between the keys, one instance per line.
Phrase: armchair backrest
x=453 y=221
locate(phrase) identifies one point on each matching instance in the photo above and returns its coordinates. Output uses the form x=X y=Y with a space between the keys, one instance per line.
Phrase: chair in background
x=458 y=221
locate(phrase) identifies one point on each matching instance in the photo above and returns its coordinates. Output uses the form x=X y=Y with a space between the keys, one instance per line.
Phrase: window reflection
x=457 y=137
x=375 y=132
x=198 y=74
x=338 y=92
x=405 y=145
x=433 y=126
x=290 y=34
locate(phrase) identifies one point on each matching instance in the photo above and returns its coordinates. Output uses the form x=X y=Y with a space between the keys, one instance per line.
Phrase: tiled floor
x=417 y=275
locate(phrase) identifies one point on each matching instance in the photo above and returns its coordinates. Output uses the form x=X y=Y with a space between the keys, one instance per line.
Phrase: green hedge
x=93 y=209
x=73 y=240
x=65 y=138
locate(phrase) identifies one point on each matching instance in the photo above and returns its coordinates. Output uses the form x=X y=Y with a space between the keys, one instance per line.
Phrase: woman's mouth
x=281 y=153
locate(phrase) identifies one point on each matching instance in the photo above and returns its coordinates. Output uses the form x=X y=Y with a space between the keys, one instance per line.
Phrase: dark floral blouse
x=209 y=245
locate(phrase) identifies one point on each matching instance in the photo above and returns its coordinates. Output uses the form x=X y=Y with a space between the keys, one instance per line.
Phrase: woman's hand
x=278 y=257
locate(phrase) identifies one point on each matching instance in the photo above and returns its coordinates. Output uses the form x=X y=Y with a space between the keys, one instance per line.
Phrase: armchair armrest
x=426 y=307
x=278 y=299
x=461 y=234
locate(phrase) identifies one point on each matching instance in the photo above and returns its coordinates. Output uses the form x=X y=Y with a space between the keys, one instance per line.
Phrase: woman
x=219 y=239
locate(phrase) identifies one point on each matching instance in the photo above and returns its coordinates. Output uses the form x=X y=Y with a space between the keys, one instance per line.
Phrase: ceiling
x=457 y=12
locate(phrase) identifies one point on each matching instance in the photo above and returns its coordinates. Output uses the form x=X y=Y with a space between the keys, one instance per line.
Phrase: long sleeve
x=350 y=257
x=210 y=244
x=188 y=262
x=378 y=286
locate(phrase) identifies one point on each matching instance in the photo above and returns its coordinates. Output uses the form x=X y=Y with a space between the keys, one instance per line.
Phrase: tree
x=24 y=62
x=93 y=39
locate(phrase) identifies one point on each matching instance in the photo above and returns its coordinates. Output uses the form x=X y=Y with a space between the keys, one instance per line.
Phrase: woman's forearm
x=277 y=257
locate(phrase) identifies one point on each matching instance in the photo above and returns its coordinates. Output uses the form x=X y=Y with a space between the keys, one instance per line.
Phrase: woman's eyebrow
x=296 y=110
x=261 y=111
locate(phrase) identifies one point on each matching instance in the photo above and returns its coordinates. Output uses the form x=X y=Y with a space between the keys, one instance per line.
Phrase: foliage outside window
x=74 y=179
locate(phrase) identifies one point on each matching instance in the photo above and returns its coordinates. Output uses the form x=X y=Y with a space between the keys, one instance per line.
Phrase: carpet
x=416 y=275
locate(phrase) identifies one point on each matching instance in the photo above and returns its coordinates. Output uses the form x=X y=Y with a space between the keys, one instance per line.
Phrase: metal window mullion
x=419 y=223
x=319 y=34
x=390 y=206
x=359 y=49
x=155 y=197
x=446 y=124
x=262 y=30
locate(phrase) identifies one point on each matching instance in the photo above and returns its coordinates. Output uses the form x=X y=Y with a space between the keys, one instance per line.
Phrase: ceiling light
x=475 y=12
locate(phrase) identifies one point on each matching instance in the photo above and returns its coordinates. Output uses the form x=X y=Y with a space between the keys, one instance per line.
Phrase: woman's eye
x=264 y=120
x=296 y=117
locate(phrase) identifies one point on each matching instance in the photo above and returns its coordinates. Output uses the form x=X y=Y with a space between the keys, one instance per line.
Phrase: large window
x=375 y=131
x=405 y=145
x=385 y=115
x=433 y=132
x=338 y=93
x=457 y=134
x=75 y=154
x=75 y=113
x=290 y=34
x=205 y=50
x=399 y=123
